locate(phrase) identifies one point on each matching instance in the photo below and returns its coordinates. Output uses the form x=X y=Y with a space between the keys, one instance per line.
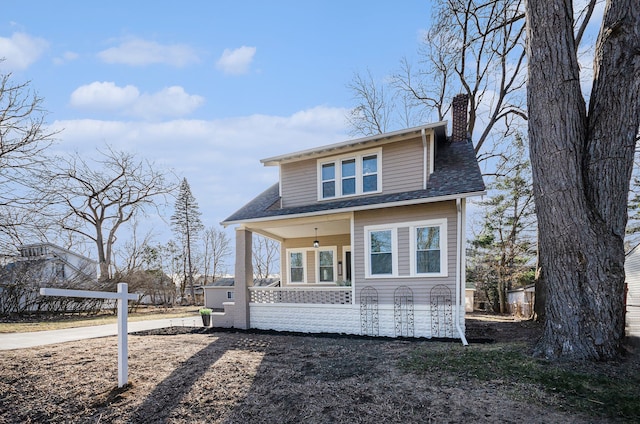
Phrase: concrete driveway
x=11 y=341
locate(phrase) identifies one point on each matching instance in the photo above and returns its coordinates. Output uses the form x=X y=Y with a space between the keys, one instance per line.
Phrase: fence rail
x=314 y=295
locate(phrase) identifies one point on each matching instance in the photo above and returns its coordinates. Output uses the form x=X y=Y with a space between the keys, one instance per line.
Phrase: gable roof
x=456 y=174
x=439 y=128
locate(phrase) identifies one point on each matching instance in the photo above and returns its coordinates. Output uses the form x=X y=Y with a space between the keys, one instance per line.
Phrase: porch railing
x=315 y=295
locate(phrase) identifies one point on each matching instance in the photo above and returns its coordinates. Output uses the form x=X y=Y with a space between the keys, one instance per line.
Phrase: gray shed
x=632 y=271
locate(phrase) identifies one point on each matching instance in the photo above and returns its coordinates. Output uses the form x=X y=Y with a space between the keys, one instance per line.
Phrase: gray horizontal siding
x=401 y=168
x=299 y=183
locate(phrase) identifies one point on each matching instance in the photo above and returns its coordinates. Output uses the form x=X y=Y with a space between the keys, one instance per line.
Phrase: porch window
x=349 y=175
x=296 y=267
x=325 y=262
x=381 y=252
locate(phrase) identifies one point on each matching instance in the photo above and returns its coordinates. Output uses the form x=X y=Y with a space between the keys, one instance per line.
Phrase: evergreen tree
x=504 y=250
x=187 y=226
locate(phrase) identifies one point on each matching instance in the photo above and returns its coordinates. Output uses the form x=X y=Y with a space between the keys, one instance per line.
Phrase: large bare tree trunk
x=581 y=167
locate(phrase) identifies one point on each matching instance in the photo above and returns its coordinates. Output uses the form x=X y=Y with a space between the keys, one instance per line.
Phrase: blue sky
x=206 y=88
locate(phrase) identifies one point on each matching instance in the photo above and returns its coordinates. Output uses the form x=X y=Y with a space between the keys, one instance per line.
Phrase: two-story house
x=372 y=236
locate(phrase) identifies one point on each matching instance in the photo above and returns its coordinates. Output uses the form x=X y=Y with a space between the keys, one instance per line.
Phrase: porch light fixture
x=316 y=243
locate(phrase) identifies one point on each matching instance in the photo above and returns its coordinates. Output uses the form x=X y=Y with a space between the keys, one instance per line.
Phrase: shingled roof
x=456 y=173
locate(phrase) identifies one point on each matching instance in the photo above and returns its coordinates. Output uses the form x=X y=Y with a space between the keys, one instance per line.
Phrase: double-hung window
x=429 y=248
x=381 y=252
x=328 y=180
x=326 y=266
x=370 y=173
x=349 y=175
x=297 y=273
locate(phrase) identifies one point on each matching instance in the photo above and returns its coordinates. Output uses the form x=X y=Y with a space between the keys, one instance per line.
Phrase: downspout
x=459 y=270
x=425 y=159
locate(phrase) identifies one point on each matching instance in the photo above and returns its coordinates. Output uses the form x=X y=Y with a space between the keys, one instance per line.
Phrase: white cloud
x=105 y=96
x=138 y=52
x=236 y=61
x=21 y=50
x=65 y=57
x=171 y=102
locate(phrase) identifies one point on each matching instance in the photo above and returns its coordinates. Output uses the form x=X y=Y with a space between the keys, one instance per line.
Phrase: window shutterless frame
x=350 y=174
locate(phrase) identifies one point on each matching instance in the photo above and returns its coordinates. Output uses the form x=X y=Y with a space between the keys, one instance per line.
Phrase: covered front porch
x=316 y=263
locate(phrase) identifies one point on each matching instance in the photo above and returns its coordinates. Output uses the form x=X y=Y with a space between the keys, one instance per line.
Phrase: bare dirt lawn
x=202 y=376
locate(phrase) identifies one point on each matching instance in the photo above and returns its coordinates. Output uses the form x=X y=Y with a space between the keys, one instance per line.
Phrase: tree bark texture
x=582 y=165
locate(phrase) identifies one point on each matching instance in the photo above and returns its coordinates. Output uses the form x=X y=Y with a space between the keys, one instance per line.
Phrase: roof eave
x=276 y=160
x=357 y=208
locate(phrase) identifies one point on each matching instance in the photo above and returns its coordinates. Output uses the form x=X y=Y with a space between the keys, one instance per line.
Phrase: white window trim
x=337 y=161
x=334 y=250
x=394 y=250
x=304 y=265
x=442 y=224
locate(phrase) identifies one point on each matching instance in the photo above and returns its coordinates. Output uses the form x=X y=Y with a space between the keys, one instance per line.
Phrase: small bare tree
x=266 y=254
x=217 y=248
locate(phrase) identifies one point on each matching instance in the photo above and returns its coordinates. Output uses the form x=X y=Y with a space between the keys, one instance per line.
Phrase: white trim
x=442 y=225
x=421 y=201
x=411 y=225
x=336 y=161
x=425 y=160
x=432 y=154
x=394 y=250
x=460 y=265
x=378 y=138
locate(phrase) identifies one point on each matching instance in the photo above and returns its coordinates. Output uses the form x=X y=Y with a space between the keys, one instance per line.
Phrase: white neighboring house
x=43 y=265
x=61 y=264
x=632 y=271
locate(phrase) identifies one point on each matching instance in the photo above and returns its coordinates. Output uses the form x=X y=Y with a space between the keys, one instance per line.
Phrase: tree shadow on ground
x=167 y=395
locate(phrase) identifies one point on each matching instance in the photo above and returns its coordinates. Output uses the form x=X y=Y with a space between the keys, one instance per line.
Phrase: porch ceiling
x=303 y=227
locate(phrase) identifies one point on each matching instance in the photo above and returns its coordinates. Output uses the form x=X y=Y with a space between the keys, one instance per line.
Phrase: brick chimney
x=459 y=116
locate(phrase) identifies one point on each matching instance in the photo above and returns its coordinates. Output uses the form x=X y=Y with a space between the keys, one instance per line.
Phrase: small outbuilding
x=521 y=300
x=632 y=271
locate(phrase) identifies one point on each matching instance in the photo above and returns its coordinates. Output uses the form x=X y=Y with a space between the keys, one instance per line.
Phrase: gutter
x=459 y=270
x=425 y=159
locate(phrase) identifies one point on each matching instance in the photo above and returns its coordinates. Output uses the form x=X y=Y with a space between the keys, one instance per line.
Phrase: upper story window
x=349 y=175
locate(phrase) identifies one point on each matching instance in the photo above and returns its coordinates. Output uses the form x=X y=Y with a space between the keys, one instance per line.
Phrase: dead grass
x=237 y=377
x=36 y=323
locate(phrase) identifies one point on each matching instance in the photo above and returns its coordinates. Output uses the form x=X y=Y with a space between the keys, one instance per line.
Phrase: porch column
x=243 y=277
